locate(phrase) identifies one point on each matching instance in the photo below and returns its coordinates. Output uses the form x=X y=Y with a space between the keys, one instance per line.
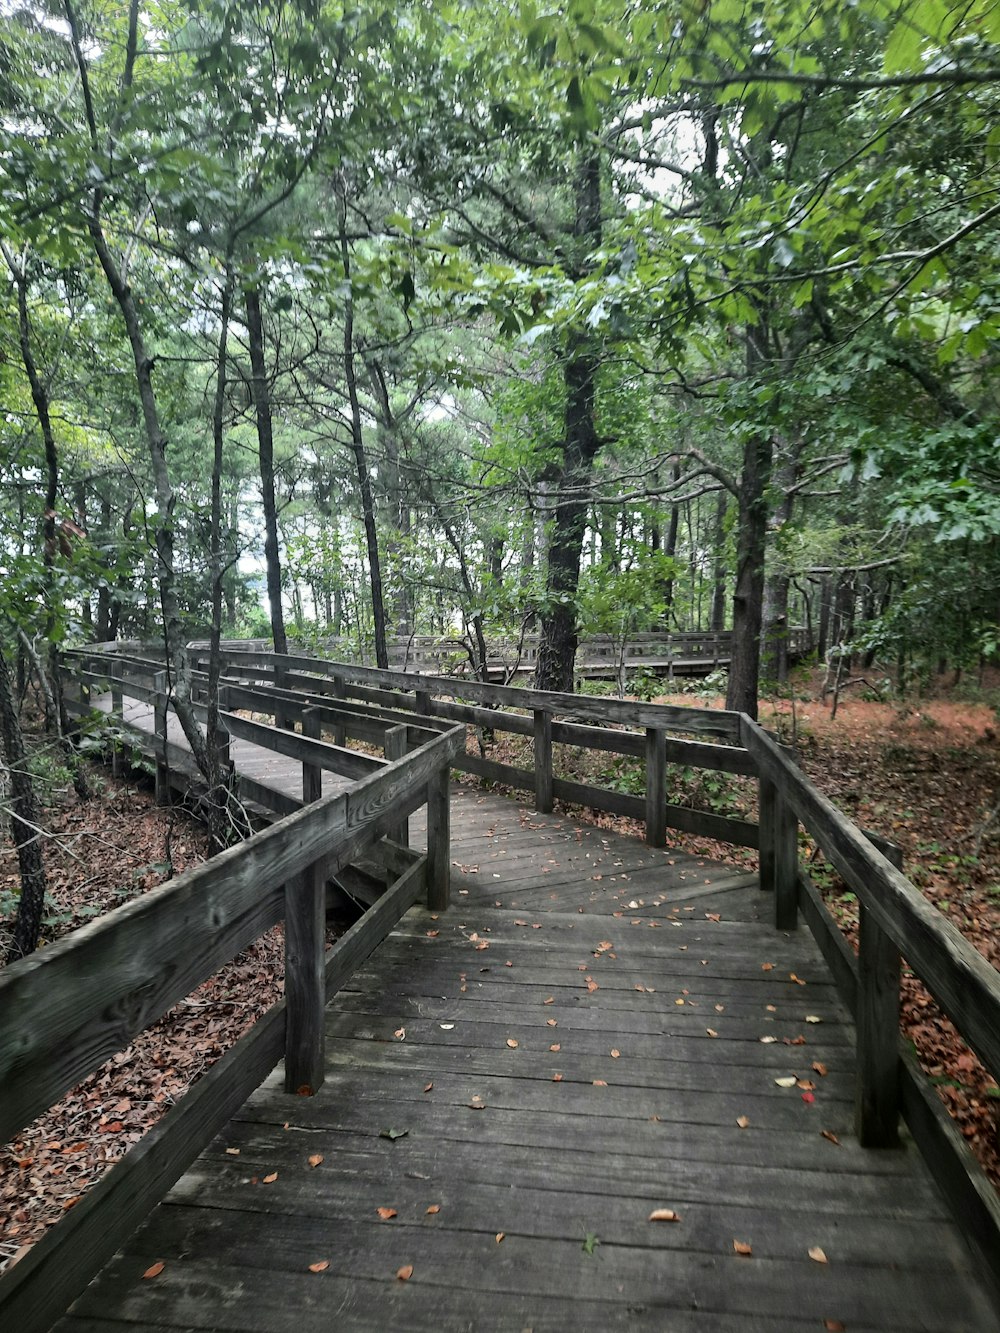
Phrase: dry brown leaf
x=741 y=1247
x=818 y=1255
x=834 y=1326
x=556 y=1046
x=711 y=1032
x=477 y=1104
x=320 y=1267
x=428 y=1086
x=551 y=1023
x=767 y=967
x=405 y=1273
x=806 y=1084
x=154 y=1270
x=233 y=1152
x=400 y=1034
x=550 y=1000
x=615 y=1053
x=830 y=1137
x=664 y=1215
x=557 y=1078
x=743 y=1121
x=434 y=1208
x=270 y=1179
x=820 y=1068
x=512 y=1043
x=600 y=1083
x=499 y=1236
x=386 y=1213
x=315 y=1159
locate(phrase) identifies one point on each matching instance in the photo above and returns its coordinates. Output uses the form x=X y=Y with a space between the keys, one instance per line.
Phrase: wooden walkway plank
x=544 y=1164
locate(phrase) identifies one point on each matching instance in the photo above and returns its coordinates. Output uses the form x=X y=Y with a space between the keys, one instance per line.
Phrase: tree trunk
x=719 y=574
x=558 y=639
x=25 y=821
x=265 y=440
x=361 y=458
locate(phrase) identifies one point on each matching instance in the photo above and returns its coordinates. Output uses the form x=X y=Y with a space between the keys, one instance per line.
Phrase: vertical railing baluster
x=656 y=786
x=543 y=761
x=305 y=981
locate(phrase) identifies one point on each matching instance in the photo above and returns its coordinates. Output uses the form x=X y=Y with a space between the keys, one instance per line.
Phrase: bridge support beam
x=305 y=981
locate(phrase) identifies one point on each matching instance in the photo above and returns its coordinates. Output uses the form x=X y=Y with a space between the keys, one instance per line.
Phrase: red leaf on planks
x=154 y=1270
x=320 y=1266
x=386 y=1213
x=809 y=1097
x=405 y=1273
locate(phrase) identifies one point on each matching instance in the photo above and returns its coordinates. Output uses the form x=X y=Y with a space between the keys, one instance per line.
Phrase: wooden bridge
x=559 y=1078
x=599 y=656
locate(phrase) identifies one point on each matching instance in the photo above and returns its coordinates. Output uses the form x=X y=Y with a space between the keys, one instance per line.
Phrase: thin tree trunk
x=361 y=458
x=719 y=564
x=25 y=821
x=265 y=441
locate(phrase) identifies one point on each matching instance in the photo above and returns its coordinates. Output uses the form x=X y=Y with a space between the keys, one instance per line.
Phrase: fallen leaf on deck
x=315 y=1159
x=512 y=1042
x=808 y=1096
x=233 y=1152
x=798 y=980
x=405 y=1273
x=806 y=1083
x=767 y=967
x=713 y=916
x=393 y=1134
x=552 y=1022
x=428 y=1086
x=434 y=1208
x=600 y=1083
x=768 y=1040
x=591 y=985
x=499 y=1236
x=386 y=1213
x=664 y=1215
x=590 y=1242
x=817 y=1254
x=555 y=1047
x=477 y=1103
x=400 y=1034
x=813 y=1018
x=787 y=1082
x=830 y=1137
x=743 y=1121
x=820 y=1068
x=269 y=1180
x=615 y=1053
x=446 y=1027
x=557 y=1078
x=741 y=1247
x=320 y=1267
x=834 y=1326
x=711 y=1032
x=550 y=1000
x=154 y=1270
x=432 y=934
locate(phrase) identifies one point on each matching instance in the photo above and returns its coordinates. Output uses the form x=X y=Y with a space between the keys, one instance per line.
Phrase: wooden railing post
x=312 y=774
x=543 y=761
x=656 y=787
x=117 y=708
x=438 y=841
x=339 y=692
x=305 y=981
x=876 y=1102
x=220 y=741
x=394 y=747
x=423 y=700
x=283 y=716
x=779 y=854
x=162 y=778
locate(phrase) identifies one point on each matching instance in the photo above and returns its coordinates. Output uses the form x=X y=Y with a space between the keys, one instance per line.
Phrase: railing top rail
x=75 y=1004
x=963 y=982
x=716 y=722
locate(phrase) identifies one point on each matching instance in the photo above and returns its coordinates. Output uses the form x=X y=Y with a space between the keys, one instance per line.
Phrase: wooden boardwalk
x=594 y=1031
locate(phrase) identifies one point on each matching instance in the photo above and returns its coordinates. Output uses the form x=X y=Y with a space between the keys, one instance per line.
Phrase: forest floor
x=925 y=775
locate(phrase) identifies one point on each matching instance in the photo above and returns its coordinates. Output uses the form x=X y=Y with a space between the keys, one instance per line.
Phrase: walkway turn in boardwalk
x=595 y=1031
